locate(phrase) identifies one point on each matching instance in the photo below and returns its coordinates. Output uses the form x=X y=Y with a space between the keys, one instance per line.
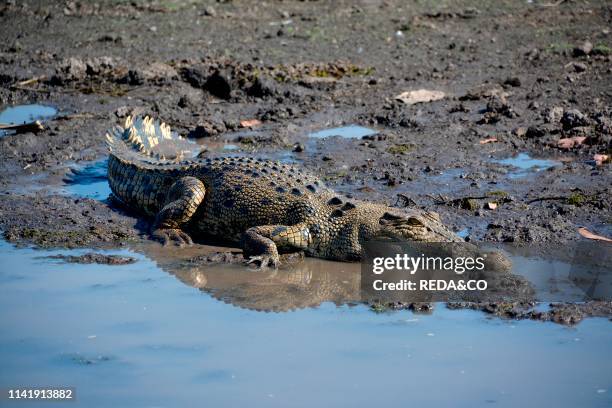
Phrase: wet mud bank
x=513 y=146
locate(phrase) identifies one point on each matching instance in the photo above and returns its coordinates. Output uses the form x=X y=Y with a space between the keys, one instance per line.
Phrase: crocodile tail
x=147 y=137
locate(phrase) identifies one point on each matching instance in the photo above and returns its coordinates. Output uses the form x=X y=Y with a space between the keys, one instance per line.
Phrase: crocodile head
x=427 y=227
x=412 y=226
x=343 y=234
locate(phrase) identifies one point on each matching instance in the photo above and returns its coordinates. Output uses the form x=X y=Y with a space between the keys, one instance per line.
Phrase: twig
x=75 y=116
x=26 y=127
x=535 y=200
x=31 y=80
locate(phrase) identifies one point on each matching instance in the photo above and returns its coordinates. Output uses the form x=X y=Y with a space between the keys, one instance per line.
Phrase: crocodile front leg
x=261 y=243
x=182 y=201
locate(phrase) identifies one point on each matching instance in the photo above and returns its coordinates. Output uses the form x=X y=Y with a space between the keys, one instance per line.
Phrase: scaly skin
x=265 y=206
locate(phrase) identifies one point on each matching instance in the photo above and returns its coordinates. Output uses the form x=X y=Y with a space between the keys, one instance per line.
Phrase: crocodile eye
x=415 y=221
x=387 y=218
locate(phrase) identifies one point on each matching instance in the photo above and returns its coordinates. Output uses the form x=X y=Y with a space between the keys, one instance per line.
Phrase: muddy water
x=523 y=165
x=348 y=132
x=136 y=335
x=90 y=181
x=16 y=115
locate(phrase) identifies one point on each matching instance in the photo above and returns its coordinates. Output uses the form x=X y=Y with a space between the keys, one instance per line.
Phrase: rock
x=299 y=148
x=159 y=72
x=520 y=131
x=194 y=77
x=584 y=49
x=420 y=96
x=579 y=66
x=604 y=123
x=459 y=108
x=534 y=132
x=468 y=204
x=513 y=81
x=483 y=91
x=231 y=124
x=111 y=38
x=99 y=65
x=533 y=54
x=210 y=11
x=6 y=79
x=533 y=105
x=553 y=114
x=574 y=118
x=133 y=77
x=15 y=47
x=207 y=129
x=262 y=87
x=184 y=101
x=124 y=111
x=319 y=83
x=203 y=130
x=73 y=69
x=218 y=85
x=497 y=104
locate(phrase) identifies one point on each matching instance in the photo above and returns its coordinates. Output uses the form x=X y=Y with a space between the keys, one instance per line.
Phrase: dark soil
x=97 y=258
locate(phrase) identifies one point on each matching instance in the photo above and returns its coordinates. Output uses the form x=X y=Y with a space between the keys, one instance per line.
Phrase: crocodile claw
x=264 y=261
x=176 y=236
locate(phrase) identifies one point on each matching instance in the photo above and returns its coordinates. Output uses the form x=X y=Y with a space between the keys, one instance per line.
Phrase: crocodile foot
x=264 y=261
x=168 y=235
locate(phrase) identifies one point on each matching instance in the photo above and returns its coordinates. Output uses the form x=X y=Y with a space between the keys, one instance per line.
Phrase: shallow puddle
x=464 y=233
x=90 y=181
x=348 y=132
x=523 y=165
x=135 y=335
x=20 y=114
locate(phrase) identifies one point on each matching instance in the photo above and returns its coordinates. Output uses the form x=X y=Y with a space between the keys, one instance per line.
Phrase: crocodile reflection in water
x=301 y=283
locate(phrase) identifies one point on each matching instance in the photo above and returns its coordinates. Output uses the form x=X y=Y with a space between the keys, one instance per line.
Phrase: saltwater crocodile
x=262 y=205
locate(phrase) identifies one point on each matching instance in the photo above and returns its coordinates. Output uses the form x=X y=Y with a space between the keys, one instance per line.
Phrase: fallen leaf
x=491 y=206
x=250 y=122
x=489 y=140
x=588 y=234
x=569 y=142
x=601 y=159
x=420 y=95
